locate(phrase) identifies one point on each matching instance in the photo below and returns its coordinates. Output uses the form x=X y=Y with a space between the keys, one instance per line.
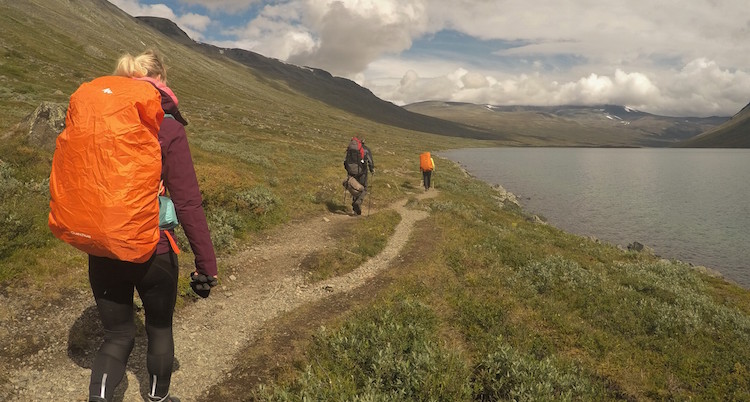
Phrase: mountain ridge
x=573 y=125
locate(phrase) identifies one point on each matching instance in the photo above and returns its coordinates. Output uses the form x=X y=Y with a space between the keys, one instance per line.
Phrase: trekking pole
x=369 y=195
x=343 y=202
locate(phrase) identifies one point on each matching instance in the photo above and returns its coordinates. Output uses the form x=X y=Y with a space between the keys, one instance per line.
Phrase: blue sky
x=664 y=57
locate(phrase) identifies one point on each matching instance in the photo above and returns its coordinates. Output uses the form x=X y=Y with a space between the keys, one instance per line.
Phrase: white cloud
x=134 y=8
x=474 y=80
x=659 y=57
x=193 y=21
x=341 y=36
x=193 y=24
x=228 y=6
x=711 y=90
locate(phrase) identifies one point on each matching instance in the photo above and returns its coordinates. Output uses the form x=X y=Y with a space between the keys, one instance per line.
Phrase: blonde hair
x=146 y=64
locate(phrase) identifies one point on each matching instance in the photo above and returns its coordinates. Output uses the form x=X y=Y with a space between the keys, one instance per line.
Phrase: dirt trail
x=265 y=281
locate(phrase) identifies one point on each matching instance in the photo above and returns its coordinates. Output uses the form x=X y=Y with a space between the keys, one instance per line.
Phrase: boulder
x=639 y=247
x=43 y=125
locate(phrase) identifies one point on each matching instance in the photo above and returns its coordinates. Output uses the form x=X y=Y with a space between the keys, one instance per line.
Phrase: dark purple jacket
x=179 y=177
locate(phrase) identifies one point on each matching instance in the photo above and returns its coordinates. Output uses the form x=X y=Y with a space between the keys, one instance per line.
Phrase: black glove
x=202 y=284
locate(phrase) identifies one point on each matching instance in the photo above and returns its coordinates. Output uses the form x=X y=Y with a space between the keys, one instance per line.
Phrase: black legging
x=426 y=175
x=112 y=282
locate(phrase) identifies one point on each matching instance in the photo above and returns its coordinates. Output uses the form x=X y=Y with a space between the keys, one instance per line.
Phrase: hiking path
x=262 y=282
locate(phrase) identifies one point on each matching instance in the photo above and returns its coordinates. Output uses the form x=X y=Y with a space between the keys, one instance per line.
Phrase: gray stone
x=44 y=124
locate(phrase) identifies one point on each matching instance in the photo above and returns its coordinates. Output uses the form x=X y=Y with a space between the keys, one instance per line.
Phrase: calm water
x=688 y=204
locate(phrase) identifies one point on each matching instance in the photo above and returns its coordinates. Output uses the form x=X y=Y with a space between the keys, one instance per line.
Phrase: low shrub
x=389 y=353
x=507 y=375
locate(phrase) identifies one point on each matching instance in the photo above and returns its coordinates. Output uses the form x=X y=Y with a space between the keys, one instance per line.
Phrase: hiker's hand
x=202 y=284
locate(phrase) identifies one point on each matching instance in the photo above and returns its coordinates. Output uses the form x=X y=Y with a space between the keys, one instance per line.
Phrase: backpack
x=106 y=170
x=425 y=162
x=353 y=186
x=354 y=162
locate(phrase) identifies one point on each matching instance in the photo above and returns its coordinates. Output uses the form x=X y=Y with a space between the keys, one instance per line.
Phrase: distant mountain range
x=599 y=125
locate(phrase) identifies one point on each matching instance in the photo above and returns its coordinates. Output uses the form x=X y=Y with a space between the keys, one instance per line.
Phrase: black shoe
x=357 y=209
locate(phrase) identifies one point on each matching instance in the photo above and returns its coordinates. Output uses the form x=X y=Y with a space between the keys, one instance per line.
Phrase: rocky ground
x=48 y=348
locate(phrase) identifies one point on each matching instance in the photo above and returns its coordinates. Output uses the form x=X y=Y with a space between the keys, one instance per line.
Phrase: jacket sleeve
x=180 y=179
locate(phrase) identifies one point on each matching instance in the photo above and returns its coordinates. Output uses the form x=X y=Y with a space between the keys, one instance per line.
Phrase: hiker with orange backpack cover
x=427 y=166
x=113 y=280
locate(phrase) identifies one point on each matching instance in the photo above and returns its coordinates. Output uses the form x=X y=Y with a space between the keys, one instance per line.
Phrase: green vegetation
x=508 y=309
x=356 y=243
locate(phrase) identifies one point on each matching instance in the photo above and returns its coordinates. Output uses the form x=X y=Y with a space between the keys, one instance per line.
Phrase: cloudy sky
x=669 y=57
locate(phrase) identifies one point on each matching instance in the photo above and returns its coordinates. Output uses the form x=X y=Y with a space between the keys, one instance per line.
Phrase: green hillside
x=484 y=303
x=734 y=133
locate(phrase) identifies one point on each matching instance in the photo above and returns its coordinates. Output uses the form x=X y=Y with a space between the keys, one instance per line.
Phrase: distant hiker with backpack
x=125 y=135
x=357 y=162
x=427 y=166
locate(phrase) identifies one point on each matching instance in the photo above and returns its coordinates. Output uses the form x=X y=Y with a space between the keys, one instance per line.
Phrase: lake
x=687 y=204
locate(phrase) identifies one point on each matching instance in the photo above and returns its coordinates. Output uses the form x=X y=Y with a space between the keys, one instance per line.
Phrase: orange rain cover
x=425 y=162
x=106 y=170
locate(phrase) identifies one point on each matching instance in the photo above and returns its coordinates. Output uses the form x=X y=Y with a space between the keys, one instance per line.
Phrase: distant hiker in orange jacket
x=113 y=281
x=426 y=165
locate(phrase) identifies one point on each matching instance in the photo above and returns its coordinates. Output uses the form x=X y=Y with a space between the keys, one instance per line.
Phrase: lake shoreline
x=503 y=196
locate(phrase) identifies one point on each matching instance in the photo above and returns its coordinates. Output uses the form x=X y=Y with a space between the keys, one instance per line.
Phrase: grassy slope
x=731 y=134
x=487 y=305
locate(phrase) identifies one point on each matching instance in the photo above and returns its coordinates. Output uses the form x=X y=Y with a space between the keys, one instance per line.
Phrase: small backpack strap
x=172 y=242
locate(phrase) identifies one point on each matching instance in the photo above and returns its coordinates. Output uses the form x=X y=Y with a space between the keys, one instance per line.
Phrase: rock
x=640 y=248
x=536 y=219
x=44 y=124
x=503 y=195
x=635 y=246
